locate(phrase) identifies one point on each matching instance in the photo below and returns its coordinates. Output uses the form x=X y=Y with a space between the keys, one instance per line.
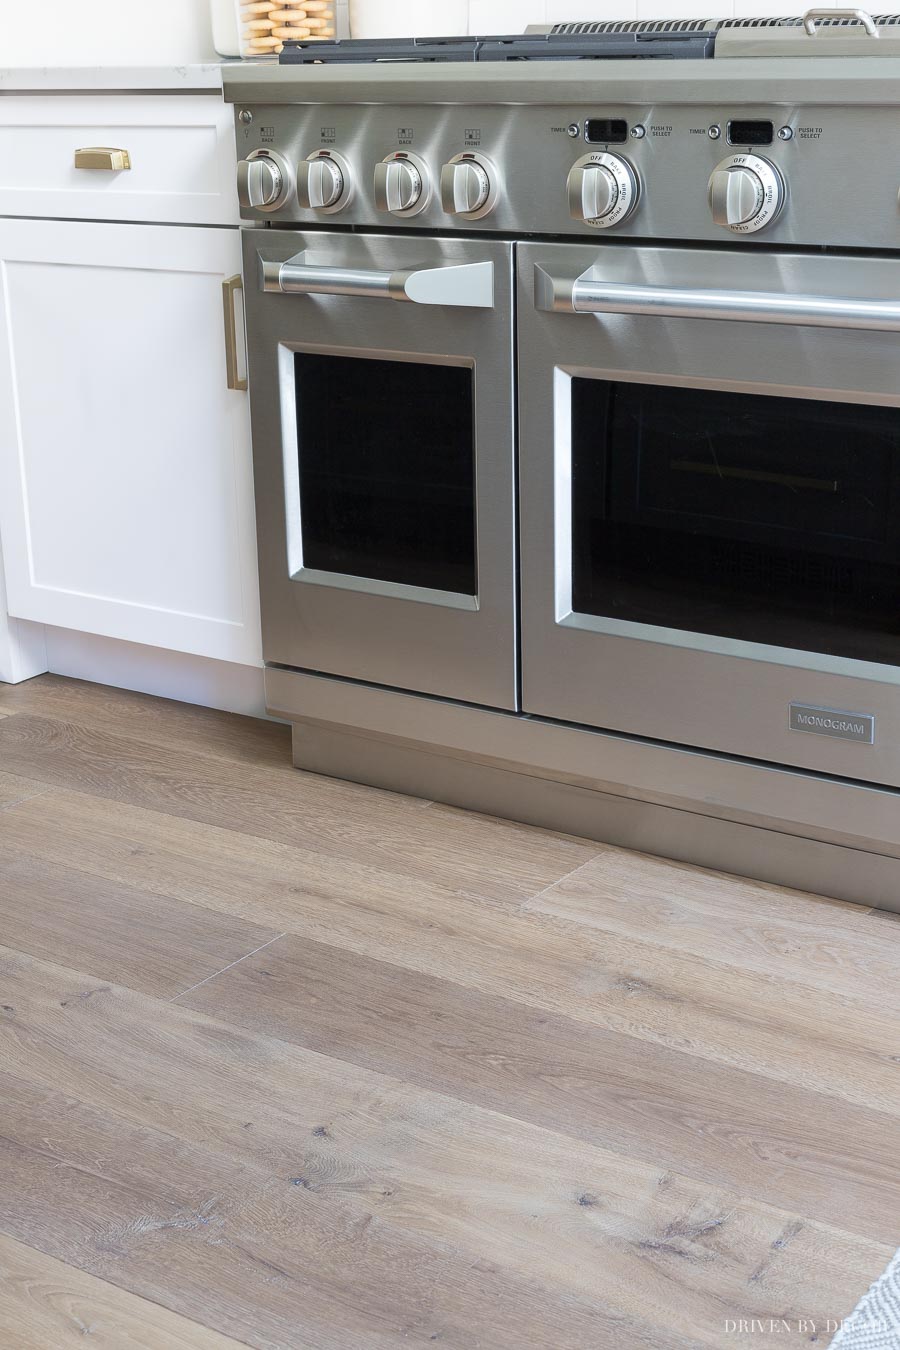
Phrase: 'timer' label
x=847 y=726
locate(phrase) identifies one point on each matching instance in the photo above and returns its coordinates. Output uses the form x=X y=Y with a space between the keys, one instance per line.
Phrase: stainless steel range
x=575 y=387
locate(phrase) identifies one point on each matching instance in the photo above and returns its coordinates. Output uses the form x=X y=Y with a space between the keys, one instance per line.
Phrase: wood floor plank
x=115 y=931
x=784 y=1145
x=15 y=789
x=260 y=1259
x=834 y=1025
x=46 y=1305
x=743 y=923
x=159 y=721
x=489 y=857
x=652 y=1245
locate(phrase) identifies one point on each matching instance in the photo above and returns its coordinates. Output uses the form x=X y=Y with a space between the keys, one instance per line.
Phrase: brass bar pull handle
x=233 y=378
x=102 y=157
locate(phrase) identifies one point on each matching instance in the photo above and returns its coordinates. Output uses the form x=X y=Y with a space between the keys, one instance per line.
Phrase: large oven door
x=710 y=499
x=381 y=388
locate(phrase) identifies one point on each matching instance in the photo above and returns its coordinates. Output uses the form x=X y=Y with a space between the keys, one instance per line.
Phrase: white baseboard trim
x=150 y=670
x=22 y=650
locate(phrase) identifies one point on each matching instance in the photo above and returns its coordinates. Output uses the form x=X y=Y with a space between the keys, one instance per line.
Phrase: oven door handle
x=588 y=294
x=466 y=285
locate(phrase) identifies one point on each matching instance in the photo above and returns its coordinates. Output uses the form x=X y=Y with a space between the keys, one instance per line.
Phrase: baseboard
x=152 y=670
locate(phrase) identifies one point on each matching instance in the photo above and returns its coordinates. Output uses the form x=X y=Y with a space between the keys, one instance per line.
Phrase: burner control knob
x=603 y=189
x=746 y=193
x=468 y=186
x=323 y=182
x=401 y=184
x=264 y=181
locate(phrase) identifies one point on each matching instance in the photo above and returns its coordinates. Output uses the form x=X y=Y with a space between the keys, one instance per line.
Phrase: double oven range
x=575 y=392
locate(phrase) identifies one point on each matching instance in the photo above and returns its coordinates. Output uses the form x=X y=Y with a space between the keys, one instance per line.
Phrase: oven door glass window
x=775 y=520
x=387 y=469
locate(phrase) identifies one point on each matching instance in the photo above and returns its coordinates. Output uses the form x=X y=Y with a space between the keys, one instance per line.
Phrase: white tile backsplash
x=576 y=11
x=680 y=9
x=513 y=16
x=504 y=16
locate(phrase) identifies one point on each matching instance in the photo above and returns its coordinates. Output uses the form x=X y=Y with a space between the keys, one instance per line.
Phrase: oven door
x=381 y=392
x=710 y=499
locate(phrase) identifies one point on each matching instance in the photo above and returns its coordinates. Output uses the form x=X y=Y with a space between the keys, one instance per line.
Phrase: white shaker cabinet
x=126 y=496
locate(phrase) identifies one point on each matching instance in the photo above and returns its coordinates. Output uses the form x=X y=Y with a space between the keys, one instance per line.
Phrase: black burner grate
x=670 y=42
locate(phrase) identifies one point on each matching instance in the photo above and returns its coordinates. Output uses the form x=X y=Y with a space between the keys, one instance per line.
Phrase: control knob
x=603 y=189
x=468 y=186
x=263 y=180
x=746 y=193
x=402 y=185
x=323 y=181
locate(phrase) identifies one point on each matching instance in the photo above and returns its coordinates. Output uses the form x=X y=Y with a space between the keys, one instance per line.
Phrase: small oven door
x=710 y=499
x=381 y=389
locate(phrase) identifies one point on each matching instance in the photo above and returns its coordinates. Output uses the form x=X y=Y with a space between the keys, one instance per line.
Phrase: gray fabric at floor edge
x=874 y=1323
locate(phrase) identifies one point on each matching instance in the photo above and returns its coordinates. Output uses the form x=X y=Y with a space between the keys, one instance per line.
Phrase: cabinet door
x=125 y=474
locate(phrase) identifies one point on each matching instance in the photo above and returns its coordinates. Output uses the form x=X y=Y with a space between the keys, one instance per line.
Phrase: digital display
x=605 y=130
x=749 y=133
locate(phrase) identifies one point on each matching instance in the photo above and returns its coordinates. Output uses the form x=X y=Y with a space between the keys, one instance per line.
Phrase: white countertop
x=109 y=79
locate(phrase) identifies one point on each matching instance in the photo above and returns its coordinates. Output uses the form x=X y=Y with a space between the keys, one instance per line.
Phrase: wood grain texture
x=159 y=721
x=828 y=1160
x=493 y=1088
x=13 y=789
x=729 y=919
x=336 y=820
x=588 y=1220
x=46 y=1303
x=115 y=931
x=769 y=1024
x=265 y=1260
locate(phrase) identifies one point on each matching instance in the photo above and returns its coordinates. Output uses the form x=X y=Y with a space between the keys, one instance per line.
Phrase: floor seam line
x=559 y=880
x=28 y=797
x=245 y=957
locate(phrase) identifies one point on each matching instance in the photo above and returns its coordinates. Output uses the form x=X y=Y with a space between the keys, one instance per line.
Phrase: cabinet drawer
x=180 y=147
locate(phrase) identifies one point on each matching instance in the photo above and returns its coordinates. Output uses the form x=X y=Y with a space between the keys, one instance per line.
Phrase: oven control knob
x=746 y=193
x=468 y=186
x=322 y=182
x=603 y=189
x=401 y=184
x=263 y=180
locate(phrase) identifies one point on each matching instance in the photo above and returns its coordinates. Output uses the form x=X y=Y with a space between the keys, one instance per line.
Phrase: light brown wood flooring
x=288 y=1062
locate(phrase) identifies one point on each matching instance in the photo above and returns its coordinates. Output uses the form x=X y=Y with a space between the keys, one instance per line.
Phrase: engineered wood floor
x=288 y=1062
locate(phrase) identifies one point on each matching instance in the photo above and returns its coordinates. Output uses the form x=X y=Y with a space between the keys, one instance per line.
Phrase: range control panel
x=785 y=175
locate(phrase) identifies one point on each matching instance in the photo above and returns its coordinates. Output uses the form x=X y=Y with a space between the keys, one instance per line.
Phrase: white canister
x=408 y=18
x=225 y=31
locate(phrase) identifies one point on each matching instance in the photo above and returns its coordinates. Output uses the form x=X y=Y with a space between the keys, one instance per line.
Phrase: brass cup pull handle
x=233 y=377
x=102 y=157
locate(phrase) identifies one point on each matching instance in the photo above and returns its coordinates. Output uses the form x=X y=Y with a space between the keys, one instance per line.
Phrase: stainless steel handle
x=589 y=295
x=812 y=16
x=466 y=285
x=233 y=377
x=102 y=157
